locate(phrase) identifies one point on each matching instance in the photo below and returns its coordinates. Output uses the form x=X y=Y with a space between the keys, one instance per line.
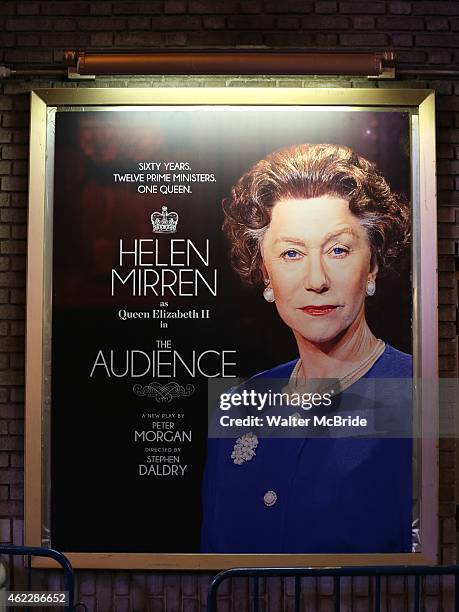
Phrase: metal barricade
x=32 y=551
x=297 y=573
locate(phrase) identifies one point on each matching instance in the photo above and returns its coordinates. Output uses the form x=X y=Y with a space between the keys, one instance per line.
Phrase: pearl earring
x=371 y=287
x=268 y=294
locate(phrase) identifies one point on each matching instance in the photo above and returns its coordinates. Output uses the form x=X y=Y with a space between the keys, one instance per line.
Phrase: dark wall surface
x=424 y=34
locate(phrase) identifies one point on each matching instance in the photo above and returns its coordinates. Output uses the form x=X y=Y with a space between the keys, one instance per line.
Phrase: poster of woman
x=264 y=250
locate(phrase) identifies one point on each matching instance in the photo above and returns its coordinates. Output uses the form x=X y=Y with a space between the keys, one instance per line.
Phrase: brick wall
x=424 y=34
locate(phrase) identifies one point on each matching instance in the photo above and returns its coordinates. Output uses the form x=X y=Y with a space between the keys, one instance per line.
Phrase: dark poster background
x=99 y=502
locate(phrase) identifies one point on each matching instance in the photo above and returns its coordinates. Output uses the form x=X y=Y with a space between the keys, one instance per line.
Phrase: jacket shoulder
x=393 y=364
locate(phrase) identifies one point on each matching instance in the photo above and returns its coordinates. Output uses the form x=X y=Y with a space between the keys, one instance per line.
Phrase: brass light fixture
x=85 y=64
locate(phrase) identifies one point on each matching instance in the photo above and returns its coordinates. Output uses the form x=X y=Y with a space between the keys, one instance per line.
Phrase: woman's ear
x=264 y=273
x=374 y=269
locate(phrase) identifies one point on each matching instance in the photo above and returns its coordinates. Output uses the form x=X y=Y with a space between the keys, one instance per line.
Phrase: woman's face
x=316 y=256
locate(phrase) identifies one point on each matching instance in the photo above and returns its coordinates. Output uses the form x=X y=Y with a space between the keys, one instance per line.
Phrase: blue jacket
x=332 y=495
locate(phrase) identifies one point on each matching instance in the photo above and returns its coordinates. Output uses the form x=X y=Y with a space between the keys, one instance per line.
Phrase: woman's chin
x=322 y=340
x=323 y=333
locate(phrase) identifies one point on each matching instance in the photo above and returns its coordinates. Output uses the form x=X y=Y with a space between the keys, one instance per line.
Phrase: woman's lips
x=319 y=311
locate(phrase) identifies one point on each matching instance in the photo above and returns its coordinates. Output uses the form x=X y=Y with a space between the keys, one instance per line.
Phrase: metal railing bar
x=29 y=573
x=367 y=570
x=337 y=573
x=377 y=593
x=297 y=593
x=337 y=592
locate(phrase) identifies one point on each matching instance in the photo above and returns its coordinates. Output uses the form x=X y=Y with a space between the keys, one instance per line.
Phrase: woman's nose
x=315 y=278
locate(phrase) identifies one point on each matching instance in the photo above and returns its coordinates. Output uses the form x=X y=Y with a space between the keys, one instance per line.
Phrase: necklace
x=339 y=384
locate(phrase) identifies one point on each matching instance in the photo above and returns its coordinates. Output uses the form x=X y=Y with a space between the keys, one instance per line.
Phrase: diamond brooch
x=244 y=448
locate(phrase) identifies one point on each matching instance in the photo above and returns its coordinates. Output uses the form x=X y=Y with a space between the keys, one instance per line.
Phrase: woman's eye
x=291 y=254
x=339 y=251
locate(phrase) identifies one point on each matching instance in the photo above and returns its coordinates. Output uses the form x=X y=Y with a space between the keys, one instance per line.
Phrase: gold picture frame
x=39 y=309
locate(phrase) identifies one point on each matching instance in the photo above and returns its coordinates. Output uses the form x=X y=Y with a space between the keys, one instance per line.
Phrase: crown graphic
x=164 y=222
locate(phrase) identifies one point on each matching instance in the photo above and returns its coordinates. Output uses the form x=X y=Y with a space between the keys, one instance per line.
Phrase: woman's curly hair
x=311 y=171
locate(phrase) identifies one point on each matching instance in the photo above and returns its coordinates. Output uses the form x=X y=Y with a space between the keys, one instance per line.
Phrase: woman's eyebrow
x=340 y=232
x=327 y=238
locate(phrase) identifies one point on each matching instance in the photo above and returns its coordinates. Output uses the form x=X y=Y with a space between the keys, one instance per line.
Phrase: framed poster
x=230 y=319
